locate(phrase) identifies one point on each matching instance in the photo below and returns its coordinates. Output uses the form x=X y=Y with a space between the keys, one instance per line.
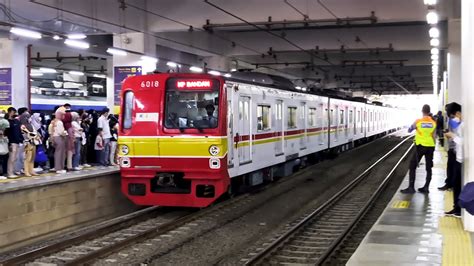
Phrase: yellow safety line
x=457 y=248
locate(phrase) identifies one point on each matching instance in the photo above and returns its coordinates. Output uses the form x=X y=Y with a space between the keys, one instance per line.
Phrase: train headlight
x=124 y=149
x=125 y=162
x=214 y=150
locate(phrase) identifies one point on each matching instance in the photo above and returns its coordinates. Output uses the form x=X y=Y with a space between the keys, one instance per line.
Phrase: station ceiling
x=374 y=46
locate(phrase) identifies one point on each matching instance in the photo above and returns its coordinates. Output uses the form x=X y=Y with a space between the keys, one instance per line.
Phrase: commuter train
x=187 y=139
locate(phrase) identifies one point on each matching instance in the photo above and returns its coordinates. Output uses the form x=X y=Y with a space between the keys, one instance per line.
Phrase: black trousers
x=450 y=168
x=421 y=151
x=457 y=183
x=4 y=159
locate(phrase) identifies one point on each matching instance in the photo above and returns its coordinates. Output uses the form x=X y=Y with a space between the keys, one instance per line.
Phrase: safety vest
x=425 y=128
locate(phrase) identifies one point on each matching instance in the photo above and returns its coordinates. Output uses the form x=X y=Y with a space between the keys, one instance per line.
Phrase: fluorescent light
x=214 y=73
x=171 y=64
x=47 y=70
x=76 y=73
x=116 y=51
x=435 y=62
x=432 y=17
x=57 y=37
x=298 y=87
x=434 y=32
x=434 y=57
x=303 y=89
x=227 y=75
x=77 y=44
x=36 y=74
x=435 y=51
x=233 y=70
x=434 y=42
x=76 y=36
x=195 y=69
x=97 y=86
x=149 y=58
x=26 y=33
x=430 y=2
x=99 y=76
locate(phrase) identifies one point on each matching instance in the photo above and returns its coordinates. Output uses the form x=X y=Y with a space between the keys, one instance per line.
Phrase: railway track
x=319 y=234
x=104 y=240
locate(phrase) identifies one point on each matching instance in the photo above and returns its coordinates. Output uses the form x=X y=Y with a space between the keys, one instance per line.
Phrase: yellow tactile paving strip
x=457 y=248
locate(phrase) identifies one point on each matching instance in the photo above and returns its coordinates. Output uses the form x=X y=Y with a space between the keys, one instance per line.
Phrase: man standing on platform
x=456 y=136
x=425 y=141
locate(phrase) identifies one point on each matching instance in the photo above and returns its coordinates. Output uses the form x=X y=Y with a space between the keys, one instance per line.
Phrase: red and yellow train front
x=173 y=141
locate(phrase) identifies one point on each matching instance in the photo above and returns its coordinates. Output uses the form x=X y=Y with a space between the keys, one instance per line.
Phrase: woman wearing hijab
x=77 y=133
x=59 y=134
x=31 y=140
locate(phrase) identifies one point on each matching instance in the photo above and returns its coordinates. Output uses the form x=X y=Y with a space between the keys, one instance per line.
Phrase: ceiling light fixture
x=435 y=62
x=434 y=42
x=57 y=37
x=233 y=70
x=434 y=32
x=76 y=36
x=430 y=2
x=171 y=64
x=76 y=73
x=47 y=70
x=435 y=51
x=432 y=17
x=227 y=75
x=195 y=69
x=97 y=86
x=116 y=51
x=25 y=33
x=214 y=73
x=77 y=44
x=434 y=57
x=99 y=76
x=149 y=59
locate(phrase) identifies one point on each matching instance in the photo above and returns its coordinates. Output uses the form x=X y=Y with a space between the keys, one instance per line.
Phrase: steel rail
x=102 y=229
x=265 y=252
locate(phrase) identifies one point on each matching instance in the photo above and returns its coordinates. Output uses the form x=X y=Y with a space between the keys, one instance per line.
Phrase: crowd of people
x=66 y=140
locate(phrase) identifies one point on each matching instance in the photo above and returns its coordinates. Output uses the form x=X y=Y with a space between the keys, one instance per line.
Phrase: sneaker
x=61 y=172
x=408 y=190
x=443 y=188
x=77 y=168
x=2 y=177
x=424 y=190
x=453 y=213
x=52 y=170
x=38 y=169
x=86 y=165
x=12 y=176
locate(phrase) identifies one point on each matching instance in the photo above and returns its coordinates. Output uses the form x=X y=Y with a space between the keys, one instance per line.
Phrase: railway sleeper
x=292 y=259
x=333 y=222
x=312 y=254
x=308 y=248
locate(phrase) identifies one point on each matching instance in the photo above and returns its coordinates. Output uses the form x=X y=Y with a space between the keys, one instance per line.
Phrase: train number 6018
x=149 y=84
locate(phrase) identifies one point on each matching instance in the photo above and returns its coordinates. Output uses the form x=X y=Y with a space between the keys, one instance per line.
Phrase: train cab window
x=191 y=107
x=127 y=109
x=263 y=118
x=312 y=117
x=341 y=117
x=291 y=111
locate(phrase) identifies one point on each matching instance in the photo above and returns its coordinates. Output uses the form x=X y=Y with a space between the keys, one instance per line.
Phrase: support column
x=467 y=67
x=454 y=61
x=131 y=64
x=14 y=73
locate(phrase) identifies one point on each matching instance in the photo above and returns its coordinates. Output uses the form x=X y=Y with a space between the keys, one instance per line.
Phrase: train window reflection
x=191 y=109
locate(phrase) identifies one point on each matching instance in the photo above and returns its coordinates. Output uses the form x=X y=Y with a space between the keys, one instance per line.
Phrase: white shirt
x=458 y=140
x=104 y=124
x=77 y=129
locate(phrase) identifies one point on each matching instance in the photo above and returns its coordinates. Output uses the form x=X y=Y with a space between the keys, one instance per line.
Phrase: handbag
x=41 y=156
x=3 y=145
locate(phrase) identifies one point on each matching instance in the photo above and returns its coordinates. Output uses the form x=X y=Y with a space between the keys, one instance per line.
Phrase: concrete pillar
x=14 y=56
x=454 y=61
x=467 y=44
x=136 y=42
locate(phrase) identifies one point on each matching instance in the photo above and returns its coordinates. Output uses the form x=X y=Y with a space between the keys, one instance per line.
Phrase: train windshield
x=191 y=104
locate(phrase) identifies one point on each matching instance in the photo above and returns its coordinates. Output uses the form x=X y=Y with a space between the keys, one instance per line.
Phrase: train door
x=279 y=128
x=230 y=129
x=323 y=118
x=303 y=127
x=245 y=136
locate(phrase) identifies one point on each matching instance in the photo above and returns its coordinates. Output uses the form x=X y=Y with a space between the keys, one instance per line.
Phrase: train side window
x=312 y=117
x=263 y=117
x=291 y=117
x=127 y=109
x=241 y=110
x=341 y=120
x=333 y=118
x=351 y=120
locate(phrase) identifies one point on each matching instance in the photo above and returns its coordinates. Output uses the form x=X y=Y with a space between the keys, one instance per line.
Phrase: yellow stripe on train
x=173 y=147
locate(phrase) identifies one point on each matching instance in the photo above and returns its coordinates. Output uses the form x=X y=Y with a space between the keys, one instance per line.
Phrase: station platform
x=413 y=229
x=39 y=207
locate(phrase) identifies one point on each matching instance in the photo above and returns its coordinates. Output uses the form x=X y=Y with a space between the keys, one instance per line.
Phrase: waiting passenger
x=456 y=135
x=31 y=139
x=4 y=125
x=59 y=134
x=99 y=143
x=425 y=144
x=14 y=138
